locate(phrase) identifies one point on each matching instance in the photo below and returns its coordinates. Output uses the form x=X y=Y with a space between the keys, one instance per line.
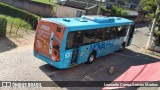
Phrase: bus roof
x=83 y=23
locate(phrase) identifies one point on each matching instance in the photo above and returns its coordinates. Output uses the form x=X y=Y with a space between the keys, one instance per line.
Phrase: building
x=75 y=9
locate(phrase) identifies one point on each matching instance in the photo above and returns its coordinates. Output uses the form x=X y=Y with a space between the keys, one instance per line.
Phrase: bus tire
x=91 y=58
x=122 y=47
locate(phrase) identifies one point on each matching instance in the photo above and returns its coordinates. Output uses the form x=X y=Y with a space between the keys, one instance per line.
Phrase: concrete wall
x=64 y=11
x=138 y=18
x=40 y=9
x=92 y=11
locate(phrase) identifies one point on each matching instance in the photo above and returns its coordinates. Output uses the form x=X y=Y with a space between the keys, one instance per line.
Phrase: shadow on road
x=98 y=71
x=6 y=44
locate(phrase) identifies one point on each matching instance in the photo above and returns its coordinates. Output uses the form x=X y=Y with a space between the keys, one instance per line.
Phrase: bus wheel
x=91 y=58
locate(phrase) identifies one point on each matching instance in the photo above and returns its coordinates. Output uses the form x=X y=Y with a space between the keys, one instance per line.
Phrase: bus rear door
x=79 y=53
x=77 y=41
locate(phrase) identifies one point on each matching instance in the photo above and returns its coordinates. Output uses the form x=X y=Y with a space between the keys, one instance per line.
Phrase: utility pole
x=87 y=3
x=99 y=8
x=150 y=39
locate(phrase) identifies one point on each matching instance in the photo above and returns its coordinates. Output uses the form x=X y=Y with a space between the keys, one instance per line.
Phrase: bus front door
x=130 y=34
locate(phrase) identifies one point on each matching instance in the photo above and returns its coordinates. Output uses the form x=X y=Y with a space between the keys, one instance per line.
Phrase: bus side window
x=125 y=30
x=70 y=41
x=113 y=32
x=100 y=35
x=77 y=38
x=89 y=36
x=122 y=31
x=108 y=34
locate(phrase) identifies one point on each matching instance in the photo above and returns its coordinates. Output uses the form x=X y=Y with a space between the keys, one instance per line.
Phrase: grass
x=16 y=22
x=51 y=2
x=18 y=15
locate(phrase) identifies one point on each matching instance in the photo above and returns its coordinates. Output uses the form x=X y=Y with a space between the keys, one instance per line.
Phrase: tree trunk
x=150 y=39
x=99 y=8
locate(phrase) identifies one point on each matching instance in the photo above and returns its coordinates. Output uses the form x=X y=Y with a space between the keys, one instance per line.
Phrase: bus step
x=73 y=64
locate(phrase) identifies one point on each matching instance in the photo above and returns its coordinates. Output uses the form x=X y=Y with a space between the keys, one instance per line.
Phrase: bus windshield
x=48 y=39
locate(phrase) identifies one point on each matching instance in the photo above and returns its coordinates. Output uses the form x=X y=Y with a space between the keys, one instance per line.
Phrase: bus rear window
x=58 y=29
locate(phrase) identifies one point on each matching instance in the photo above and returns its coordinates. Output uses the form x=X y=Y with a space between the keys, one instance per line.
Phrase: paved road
x=19 y=64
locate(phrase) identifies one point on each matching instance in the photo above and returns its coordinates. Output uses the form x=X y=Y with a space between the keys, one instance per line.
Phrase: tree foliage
x=121 y=2
x=150 y=6
x=115 y=11
x=153 y=8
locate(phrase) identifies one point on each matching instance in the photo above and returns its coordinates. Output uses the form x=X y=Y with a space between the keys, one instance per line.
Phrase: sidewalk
x=16 y=40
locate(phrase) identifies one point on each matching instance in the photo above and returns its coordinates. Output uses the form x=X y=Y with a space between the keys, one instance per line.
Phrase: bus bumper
x=58 y=65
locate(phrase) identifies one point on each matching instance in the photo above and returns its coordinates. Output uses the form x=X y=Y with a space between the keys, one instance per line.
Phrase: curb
x=143 y=49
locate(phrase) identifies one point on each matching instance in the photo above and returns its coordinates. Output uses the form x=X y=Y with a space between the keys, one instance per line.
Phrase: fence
x=15 y=29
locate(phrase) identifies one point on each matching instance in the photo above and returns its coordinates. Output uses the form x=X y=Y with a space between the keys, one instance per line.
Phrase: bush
x=3 y=26
x=18 y=13
x=157 y=33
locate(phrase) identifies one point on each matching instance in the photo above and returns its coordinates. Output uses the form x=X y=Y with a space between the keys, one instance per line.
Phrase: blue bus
x=66 y=42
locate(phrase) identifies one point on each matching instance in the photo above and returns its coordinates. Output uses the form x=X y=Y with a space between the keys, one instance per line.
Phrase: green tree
x=115 y=11
x=149 y=6
x=121 y=2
